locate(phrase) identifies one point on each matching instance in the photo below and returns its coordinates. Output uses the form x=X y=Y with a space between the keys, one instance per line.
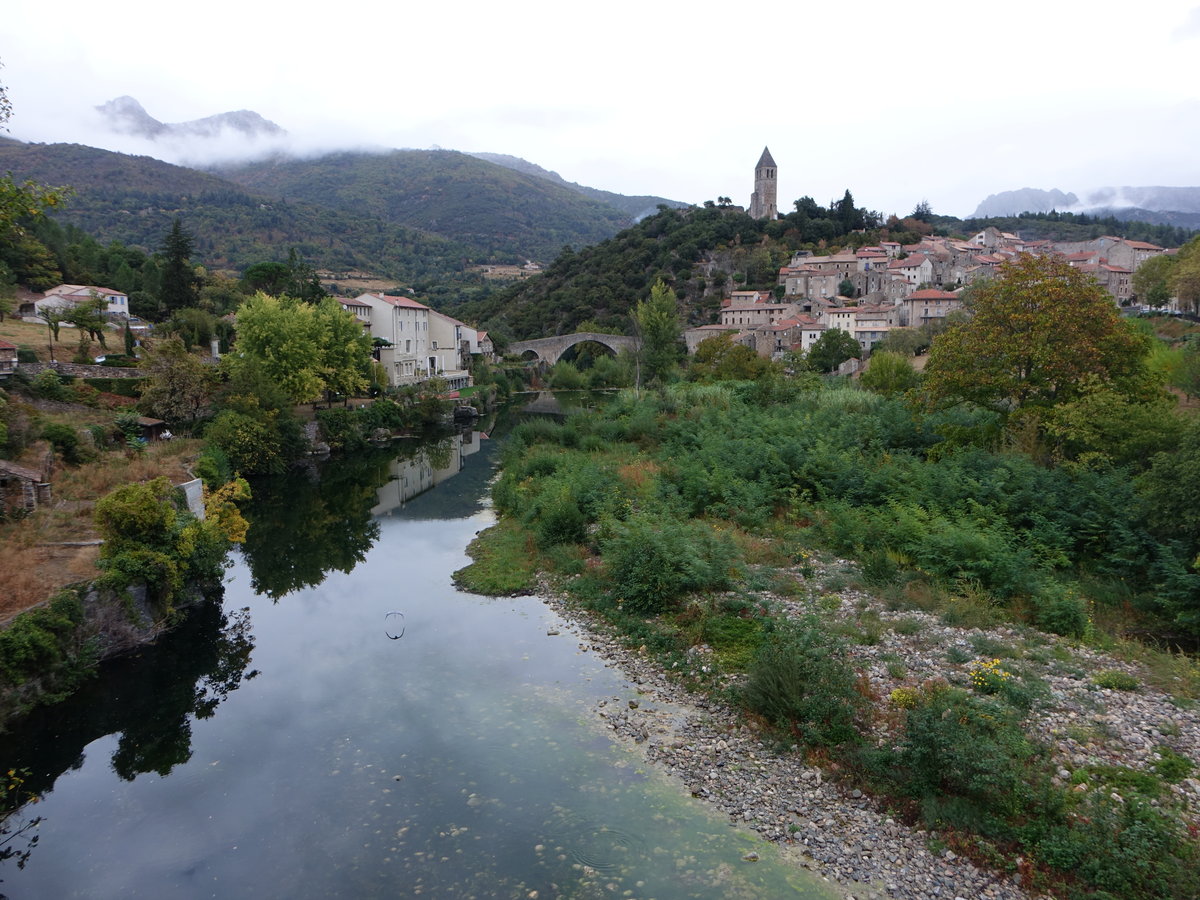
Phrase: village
x=868 y=292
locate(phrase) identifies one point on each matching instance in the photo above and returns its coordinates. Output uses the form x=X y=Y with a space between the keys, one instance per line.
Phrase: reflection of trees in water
x=18 y=832
x=148 y=698
x=301 y=528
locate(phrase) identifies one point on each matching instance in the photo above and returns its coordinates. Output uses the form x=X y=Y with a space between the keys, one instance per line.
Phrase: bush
x=37 y=641
x=653 y=561
x=26 y=355
x=968 y=763
x=800 y=681
x=1060 y=610
x=1115 y=680
x=66 y=441
x=47 y=385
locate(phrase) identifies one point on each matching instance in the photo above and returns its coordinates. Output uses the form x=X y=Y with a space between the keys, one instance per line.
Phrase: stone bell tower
x=763 y=203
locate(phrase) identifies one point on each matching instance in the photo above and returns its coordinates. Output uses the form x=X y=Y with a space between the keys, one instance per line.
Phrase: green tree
x=656 y=323
x=905 y=341
x=718 y=358
x=1185 y=279
x=1186 y=373
x=1151 y=281
x=178 y=386
x=889 y=374
x=345 y=356
x=1037 y=331
x=89 y=317
x=832 y=349
x=303 y=348
x=180 y=286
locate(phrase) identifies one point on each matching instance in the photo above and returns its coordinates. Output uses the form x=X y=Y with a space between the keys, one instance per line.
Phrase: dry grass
x=36 y=337
x=33 y=569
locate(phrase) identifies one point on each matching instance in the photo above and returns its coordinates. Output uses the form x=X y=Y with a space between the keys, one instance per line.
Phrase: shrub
x=967 y=761
x=1115 y=680
x=653 y=561
x=66 y=441
x=1060 y=610
x=801 y=681
x=26 y=355
x=37 y=641
x=47 y=385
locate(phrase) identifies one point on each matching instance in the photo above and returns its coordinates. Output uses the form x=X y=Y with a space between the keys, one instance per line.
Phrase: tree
x=1037 y=331
x=1151 y=281
x=832 y=349
x=1186 y=374
x=889 y=373
x=179 y=282
x=178 y=385
x=283 y=338
x=718 y=358
x=1185 y=279
x=89 y=318
x=345 y=349
x=305 y=349
x=922 y=212
x=905 y=341
x=656 y=323
x=846 y=287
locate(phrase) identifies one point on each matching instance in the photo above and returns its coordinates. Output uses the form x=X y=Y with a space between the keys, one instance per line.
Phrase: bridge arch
x=550 y=350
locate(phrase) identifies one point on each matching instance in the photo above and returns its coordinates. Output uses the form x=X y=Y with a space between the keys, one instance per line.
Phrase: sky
x=899 y=103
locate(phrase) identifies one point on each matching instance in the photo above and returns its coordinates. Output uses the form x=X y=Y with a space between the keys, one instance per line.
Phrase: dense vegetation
x=1067 y=226
x=503 y=215
x=133 y=200
x=669 y=514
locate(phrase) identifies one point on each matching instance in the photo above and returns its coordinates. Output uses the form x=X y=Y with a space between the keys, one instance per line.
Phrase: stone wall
x=80 y=370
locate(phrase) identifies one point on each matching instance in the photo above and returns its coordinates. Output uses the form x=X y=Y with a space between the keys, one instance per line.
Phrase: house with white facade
x=69 y=296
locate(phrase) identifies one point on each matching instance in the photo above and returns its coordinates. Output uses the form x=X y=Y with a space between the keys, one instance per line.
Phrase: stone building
x=764 y=201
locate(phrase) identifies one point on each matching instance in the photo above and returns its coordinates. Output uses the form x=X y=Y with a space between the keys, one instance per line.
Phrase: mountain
x=134 y=199
x=508 y=215
x=1013 y=203
x=635 y=207
x=125 y=115
x=1178 y=206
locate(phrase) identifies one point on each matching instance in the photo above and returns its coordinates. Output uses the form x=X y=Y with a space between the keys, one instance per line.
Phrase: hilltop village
x=870 y=291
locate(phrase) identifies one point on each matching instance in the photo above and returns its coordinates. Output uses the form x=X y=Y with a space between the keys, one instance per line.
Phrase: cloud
x=1190 y=28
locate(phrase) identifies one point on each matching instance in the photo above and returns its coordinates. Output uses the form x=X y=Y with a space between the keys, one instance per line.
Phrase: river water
x=351 y=725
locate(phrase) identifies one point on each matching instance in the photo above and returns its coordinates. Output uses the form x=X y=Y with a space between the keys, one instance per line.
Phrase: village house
x=927 y=305
x=68 y=296
x=451 y=345
x=915 y=269
x=487 y=349
x=8 y=358
x=22 y=488
x=360 y=310
x=403 y=324
x=693 y=336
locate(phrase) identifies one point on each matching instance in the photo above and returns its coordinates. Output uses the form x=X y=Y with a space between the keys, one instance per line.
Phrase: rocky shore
x=833 y=829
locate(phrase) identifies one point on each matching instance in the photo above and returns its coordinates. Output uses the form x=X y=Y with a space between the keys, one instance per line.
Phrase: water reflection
x=148 y=699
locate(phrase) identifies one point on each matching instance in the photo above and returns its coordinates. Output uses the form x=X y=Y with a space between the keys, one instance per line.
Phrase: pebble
x=843 y=834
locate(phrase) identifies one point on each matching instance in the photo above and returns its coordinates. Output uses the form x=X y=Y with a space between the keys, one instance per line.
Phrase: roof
x=765 y=160
x=932 y=294
x=1143 y=245
x=8 y=468
x=346 y=301
x=66 y=290
x=406 y=302
x=5 y=345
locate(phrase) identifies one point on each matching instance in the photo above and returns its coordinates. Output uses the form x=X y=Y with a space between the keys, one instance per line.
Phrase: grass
x=504 y=562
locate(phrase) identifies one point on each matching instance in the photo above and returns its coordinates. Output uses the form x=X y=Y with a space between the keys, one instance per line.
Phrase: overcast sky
x=898 y=102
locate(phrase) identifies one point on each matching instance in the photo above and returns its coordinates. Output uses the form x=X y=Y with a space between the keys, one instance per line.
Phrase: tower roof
x=765 y=160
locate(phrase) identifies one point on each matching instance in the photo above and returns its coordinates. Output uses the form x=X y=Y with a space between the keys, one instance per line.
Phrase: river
x=351 y=725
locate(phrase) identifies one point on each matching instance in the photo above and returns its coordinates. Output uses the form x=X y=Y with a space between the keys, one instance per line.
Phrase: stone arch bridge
x=550 y=350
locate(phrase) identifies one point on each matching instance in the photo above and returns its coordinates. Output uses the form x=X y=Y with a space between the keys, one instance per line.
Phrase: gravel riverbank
x=836 y=831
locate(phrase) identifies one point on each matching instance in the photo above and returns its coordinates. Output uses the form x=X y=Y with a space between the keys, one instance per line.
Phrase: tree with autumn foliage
x=1039 y=334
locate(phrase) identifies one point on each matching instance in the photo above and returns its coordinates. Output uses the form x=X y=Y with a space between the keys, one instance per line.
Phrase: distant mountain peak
x=125 y=115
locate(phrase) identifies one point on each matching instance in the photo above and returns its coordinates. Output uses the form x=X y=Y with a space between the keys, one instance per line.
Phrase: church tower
x=763 y=200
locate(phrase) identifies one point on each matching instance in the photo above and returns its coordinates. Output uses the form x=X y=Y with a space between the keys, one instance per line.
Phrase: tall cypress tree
x=179 y=281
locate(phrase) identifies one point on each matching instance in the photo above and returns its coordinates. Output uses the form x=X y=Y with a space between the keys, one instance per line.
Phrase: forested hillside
x=704 y=252
x=505 y=215
x=134 y=200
